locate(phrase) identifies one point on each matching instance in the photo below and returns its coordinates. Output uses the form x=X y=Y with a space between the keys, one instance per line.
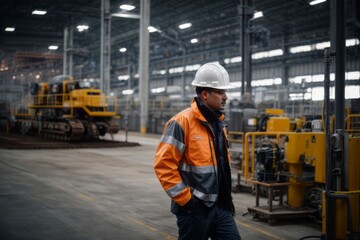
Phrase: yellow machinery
x=305 y=158
x=68 y=110
x=298 y=159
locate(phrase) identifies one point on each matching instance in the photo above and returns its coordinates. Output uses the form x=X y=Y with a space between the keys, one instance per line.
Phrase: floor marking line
x=266 y=233
x=150 y=228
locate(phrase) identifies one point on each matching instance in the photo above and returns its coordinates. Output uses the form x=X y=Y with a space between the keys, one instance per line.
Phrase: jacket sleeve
x=167 y=158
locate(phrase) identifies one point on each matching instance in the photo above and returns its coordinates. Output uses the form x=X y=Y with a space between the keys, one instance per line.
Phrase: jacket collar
x=198 y=113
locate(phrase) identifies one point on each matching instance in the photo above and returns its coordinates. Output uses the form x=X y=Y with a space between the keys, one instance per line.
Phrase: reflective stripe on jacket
x=185 y=160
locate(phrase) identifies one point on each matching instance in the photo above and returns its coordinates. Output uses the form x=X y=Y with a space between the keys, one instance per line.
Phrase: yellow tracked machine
x=67 y=109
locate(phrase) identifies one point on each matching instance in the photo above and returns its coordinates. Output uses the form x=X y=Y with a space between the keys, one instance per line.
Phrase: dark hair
x=199 y=90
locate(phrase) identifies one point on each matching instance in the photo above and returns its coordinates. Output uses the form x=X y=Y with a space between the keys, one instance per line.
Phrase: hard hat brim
x=215 y=87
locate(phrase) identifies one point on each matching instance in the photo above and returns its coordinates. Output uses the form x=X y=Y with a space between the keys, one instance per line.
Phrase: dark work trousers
x=202 y=223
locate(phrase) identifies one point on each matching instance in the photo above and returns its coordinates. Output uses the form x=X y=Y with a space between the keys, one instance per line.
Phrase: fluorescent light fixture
x=152 y=29
x=127 y=7
x=276 y=52
x=233 y=60
x=352 y=42
x=9 y=29
x=353 y=75
x=299 y=49
x=38 y=12
x=262 y=82
x=296 y=96
x=277 y=81
x=258 y=14
x=322 y=45
x=176 y=70
x=82 y=28
x=127 y=92
x=126 y=15
x=352 y=92
x=259 y=55
x=53 y=47
x=236 y=59
x=194 y=67
x=318 y=78
x=236 y=84
x=185 y=25
x=194 y=40
x=158 y=90
x=271 y=53
x=123 y=77
x=159 y=72
x=123 y=50
x=266 y=82
x=316 y=2
x=175 y=96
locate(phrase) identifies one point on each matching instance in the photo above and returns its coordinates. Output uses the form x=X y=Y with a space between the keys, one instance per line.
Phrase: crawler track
x=17 y=141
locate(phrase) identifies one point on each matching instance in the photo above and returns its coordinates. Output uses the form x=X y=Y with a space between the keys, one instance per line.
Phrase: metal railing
x=250 y=138
x=352 y=123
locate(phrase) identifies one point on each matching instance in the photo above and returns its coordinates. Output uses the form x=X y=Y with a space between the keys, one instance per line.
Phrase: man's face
x=216 y=99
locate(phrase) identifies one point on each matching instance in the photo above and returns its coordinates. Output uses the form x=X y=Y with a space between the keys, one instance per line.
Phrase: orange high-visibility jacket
x=185 y=160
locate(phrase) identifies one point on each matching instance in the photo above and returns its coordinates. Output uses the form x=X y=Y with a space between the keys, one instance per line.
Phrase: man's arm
x=167 y=158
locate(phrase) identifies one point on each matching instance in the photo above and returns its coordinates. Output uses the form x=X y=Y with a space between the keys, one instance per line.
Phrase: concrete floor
x=106 y=193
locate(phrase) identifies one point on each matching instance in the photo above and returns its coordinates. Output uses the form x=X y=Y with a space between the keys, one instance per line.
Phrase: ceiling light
x=127 y=7
x=316 y=2
x=276 y=52
x=123 y=77
x=127 y=92
x=153 y=29
x=126 y=15
x=352 y=42
x=39 y=12
x=194 y=40
x=299 y=49
x=53 y=47
x=122 y=50
x=258 y=14
x=185 y=25
x=82 y=28
x=9 y=29
x=158 y=90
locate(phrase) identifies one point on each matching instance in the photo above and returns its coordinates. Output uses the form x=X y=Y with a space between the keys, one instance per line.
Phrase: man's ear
x=204 y=95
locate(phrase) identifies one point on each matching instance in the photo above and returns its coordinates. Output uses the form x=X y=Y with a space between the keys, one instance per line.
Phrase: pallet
x=279 y=212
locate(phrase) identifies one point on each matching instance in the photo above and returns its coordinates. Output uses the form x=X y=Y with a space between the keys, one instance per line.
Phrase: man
x=192 y=161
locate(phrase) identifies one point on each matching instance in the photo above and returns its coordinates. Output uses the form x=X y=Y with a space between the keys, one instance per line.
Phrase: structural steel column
x=70 y=52
x=144 y=63
x=340 y=61
x=65 y=65
x=246 y=14
x=105 y=46
x=183 y=77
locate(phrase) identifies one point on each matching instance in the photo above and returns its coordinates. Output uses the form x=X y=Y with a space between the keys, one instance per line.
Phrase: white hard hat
x=212 y=75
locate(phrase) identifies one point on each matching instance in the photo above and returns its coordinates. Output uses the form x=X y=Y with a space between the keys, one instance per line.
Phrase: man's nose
x=225 y=96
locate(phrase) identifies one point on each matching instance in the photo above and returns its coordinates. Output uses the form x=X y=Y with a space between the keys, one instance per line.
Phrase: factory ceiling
x=215 y=23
